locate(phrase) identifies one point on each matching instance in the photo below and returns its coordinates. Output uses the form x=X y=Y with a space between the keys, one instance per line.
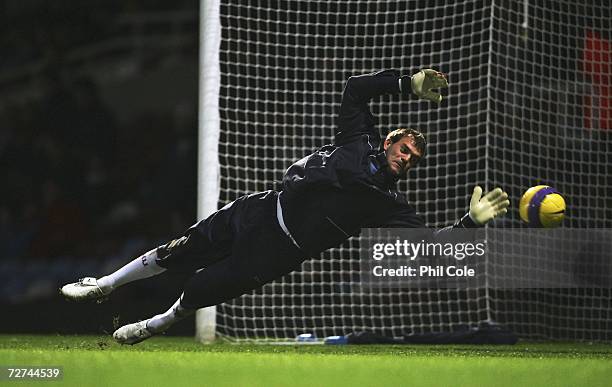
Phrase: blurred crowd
x=79 y=184
x=35 y=29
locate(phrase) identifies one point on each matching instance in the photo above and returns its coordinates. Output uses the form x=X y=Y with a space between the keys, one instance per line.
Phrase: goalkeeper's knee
x=179 y=253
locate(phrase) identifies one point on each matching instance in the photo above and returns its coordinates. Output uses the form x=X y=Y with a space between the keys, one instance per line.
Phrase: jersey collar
x=379 y=169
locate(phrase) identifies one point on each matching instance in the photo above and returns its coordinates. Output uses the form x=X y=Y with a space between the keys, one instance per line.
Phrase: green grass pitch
x=172 y=361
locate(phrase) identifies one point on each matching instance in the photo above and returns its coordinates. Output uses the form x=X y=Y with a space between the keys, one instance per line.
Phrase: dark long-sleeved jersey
x=332 y=193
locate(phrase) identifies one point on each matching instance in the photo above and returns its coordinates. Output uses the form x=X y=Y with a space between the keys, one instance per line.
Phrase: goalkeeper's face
x=402 y=155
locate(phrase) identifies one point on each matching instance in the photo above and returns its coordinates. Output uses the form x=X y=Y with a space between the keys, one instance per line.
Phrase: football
x=542 y=206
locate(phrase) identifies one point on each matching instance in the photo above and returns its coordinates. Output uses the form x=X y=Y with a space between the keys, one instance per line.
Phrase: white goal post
x=208 y=136
x=526 y=105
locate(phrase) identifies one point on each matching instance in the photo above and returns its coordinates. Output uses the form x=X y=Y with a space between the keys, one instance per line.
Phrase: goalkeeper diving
x=326 y=197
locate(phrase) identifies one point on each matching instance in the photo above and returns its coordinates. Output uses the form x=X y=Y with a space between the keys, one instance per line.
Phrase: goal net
x=526 y=105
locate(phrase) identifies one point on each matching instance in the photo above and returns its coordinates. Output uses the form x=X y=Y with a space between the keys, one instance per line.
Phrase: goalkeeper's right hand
x=425 y=80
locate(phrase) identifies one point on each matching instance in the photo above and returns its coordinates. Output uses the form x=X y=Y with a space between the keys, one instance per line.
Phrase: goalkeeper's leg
x=223 y=281
x=90 y=288
x=136 y=332
x=197 y=248
x=260 y=254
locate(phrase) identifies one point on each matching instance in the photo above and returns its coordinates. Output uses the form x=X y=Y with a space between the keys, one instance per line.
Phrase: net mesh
x=527 y=104
x=550 y=124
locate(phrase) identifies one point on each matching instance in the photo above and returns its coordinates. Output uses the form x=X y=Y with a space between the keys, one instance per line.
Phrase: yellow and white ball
x=542 y=206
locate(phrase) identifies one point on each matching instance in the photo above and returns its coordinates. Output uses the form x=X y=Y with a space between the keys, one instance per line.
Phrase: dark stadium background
x=98 y=147
x=98 y=144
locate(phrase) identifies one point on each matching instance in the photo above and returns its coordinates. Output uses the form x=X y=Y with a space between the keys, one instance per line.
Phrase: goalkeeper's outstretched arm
x=355 y=117
x=483 y=209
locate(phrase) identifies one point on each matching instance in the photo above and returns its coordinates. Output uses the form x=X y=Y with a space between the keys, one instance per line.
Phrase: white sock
x=161 y=322
x=140 y=268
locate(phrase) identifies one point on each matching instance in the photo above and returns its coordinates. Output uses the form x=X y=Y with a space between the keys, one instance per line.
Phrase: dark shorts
x=239 y=248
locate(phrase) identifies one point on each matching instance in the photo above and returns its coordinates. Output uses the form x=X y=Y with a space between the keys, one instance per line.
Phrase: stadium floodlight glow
x=524 y=107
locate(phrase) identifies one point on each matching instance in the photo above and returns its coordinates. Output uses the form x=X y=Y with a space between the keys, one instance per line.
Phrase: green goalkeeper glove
x=425 y=80
x=485 y=208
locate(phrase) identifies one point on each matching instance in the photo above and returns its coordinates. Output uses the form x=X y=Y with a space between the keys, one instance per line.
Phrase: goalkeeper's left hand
x=425 y=80
x=485 y=208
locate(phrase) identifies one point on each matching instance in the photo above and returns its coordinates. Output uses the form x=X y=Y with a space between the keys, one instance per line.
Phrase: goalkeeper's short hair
x=419 y=138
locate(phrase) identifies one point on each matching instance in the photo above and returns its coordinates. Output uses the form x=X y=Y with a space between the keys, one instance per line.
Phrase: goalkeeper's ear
x=423 y=83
